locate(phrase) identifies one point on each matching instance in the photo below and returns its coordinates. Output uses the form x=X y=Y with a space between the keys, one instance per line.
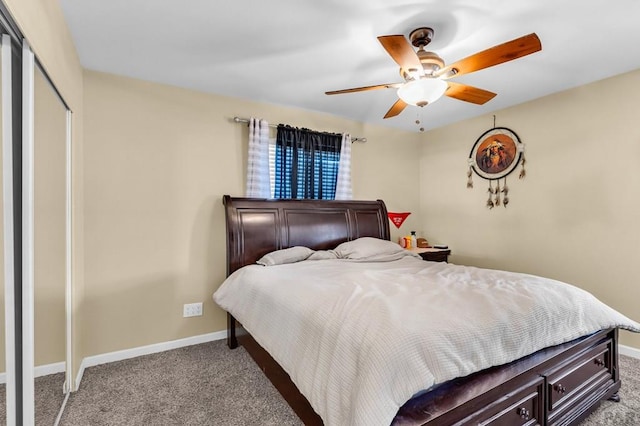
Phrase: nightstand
x=433 y=254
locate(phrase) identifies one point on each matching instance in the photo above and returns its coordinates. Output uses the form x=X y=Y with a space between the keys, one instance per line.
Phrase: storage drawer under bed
x=568 y=384
x=523 y=407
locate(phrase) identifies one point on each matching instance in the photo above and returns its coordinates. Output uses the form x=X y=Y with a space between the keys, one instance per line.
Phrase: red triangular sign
x=397 y=218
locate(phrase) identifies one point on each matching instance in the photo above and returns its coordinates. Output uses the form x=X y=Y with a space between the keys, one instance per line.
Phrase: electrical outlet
x=192 y=310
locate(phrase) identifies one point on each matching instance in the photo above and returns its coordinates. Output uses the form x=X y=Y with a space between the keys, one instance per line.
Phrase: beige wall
x=575 y=215
x=158 y=160
x=42 y=23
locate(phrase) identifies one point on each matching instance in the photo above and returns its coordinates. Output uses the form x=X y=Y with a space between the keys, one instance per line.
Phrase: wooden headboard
x=256 y=227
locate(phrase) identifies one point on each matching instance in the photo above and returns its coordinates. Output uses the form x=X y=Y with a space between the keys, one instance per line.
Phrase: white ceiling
x=289 y=52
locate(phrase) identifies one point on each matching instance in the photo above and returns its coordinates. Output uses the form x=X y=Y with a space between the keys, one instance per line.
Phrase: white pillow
x=288 y=255
x=366 y=248
x=323 y=255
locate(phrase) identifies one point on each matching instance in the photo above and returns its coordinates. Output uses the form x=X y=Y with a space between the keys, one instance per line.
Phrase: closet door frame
x=11 y=51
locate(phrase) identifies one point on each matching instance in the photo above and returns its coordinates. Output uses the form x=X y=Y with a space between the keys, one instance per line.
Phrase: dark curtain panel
x=306 y=163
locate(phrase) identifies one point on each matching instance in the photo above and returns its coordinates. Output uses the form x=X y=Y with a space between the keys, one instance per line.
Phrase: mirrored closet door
x=50 y=252
x=46 y=246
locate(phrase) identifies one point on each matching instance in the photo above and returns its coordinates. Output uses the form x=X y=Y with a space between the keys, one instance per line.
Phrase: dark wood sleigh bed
x=559 y=385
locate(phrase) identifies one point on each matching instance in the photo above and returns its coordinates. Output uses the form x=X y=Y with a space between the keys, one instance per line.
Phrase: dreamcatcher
x=496 y=153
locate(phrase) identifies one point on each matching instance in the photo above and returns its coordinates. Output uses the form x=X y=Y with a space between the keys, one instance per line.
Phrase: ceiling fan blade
x=467 y=93
x=365 y=88
x=396 y=108
x=499 y=54
x=401 y=51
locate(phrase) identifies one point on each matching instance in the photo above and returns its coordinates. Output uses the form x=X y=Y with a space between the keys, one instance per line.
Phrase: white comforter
x=359 y=339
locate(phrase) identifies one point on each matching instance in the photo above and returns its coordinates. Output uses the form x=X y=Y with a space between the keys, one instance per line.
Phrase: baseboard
x=42 y=370
x=94 y=360
x=629 y=351
x=45 y=370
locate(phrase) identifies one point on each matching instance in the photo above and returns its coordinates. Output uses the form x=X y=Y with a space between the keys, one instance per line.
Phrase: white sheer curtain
x=258 y=181
x=343 y=185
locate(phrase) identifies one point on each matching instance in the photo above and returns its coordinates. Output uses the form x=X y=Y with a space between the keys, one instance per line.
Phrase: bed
x=556 y=385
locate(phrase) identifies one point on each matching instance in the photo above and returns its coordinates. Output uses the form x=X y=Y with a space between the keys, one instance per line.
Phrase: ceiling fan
x=424 y=72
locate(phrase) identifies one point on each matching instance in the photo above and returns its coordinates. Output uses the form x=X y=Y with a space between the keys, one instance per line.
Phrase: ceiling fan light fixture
x=412 y=74
x=423 y=91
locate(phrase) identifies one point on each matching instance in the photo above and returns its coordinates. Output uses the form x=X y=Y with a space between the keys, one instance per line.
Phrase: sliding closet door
x=50 y=127
x=7 y=331
x=46 y=245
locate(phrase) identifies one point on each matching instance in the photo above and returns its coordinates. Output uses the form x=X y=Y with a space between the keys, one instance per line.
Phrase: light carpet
x=48 y=398
x=209 y=384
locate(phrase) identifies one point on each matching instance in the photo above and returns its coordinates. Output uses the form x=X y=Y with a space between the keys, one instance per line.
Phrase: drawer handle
x=599 y=362
x=524 y=413
x=560 y=389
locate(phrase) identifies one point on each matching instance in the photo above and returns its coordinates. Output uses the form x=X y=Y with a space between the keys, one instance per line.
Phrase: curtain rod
x=246 y=120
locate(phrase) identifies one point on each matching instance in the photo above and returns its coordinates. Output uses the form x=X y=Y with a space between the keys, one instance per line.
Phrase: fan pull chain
x=421 y=128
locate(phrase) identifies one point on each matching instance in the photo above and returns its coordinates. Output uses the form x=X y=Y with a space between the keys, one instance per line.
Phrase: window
x=304 y=164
